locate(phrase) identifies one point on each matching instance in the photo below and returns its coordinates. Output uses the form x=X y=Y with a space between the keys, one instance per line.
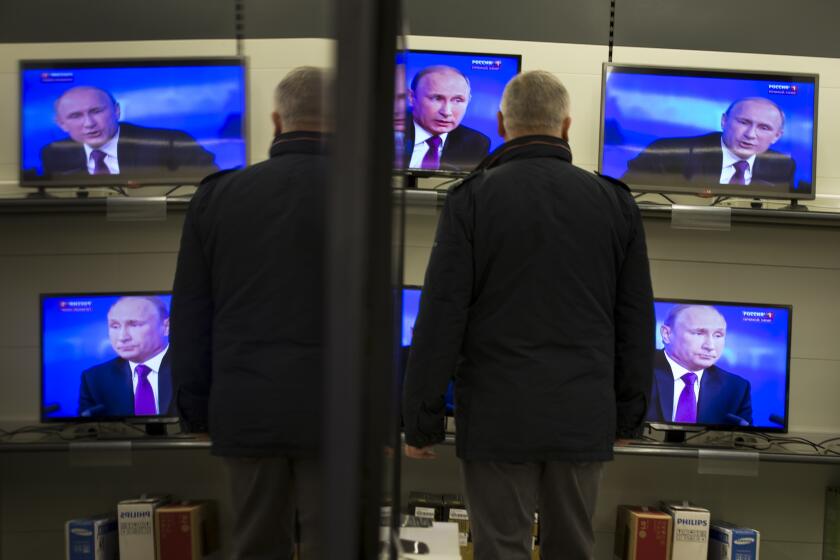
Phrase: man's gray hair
x=535 y=102
x=302 y=96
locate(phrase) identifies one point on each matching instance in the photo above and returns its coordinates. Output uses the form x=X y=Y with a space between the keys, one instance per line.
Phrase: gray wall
x=804 y=28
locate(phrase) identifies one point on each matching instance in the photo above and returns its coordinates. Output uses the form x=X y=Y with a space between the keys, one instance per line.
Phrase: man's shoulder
x=133 y=131
x=727 y=377
x=64 y=145
x=704 y=140
x=612 y=181
x=111 y=365
x=464 y=133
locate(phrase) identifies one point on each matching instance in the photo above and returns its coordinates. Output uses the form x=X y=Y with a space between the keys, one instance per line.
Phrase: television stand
x=40 y=193
x=675 y=436
x=155 y=429
x=795 y=206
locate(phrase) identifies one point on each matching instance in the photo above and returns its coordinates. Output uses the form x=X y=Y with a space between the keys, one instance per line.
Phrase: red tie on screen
x=741 y=167
x=144 y=397
x=687 y=405
x=99 y=167
x=432 y=158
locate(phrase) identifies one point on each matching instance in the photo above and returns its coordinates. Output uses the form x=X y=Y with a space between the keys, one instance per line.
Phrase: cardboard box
x=136 y=523
x=426 y=504
x=642 y=533
x=691 y=530
x=186 y=530
x=455 y=510
x=91 y=538
x=727 y=541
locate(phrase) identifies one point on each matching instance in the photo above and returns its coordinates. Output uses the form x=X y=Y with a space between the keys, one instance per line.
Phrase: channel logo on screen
x=75 y=306
x=486 y=64
x=783 y=89
x=758 y=316
x=57 y=77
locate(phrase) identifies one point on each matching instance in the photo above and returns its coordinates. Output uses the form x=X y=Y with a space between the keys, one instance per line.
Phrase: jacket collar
x=302 y=142
x=526 y=147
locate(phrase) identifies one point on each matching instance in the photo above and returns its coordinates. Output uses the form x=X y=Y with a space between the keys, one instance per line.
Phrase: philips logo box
x=691 y=530
x=730 y=542
x=93 y=538
x=136 y=522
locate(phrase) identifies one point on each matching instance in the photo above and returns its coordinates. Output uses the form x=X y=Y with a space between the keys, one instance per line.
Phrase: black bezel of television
x=756 y=313
x=694 y=110
x=488 y=128
x=234 y=129
x=46 y=416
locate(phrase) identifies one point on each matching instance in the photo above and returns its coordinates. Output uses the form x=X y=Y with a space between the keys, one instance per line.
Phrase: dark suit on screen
x=109 y=386
x=140 y=151
x=721 y=393
x=464 y=148
x=698 y=160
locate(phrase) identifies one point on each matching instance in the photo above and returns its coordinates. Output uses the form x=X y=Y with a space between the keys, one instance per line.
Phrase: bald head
x=439 y=97
x=89 y=115
x=301 y=100
x=751 y=125
x=534 y=102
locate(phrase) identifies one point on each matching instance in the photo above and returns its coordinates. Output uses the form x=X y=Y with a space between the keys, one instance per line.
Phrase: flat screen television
x=720 y=365
x=410 y=307
x=710 y=132
x=104 y=357
x=452 y=98
x=130 y=122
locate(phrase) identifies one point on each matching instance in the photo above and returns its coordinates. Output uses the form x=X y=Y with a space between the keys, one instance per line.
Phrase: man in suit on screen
x=99 y=144
x=688 y=388
x=439 y=97
x=738 y=155
x=138 y=382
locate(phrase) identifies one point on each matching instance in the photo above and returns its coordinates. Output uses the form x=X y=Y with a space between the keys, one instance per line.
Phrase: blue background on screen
x=641 y=108
x=411 y=305
x=207 y=102
x=486 y=86
x=756 y=351
x=73 y=341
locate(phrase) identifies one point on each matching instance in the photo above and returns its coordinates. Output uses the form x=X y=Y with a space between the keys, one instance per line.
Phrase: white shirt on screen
x=728 y=167
x=110 y=149
x=152 y=363
x=678 y=371
x=420 y=146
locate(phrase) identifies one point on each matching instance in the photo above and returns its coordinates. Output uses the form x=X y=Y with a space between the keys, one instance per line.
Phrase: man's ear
x=723 y=121
x=665 y=332
x=165 y=325
x=117 y=110
x=278 y=122
x=564 y=130
x=409 y=94
x=501 y=122
x=60 y=124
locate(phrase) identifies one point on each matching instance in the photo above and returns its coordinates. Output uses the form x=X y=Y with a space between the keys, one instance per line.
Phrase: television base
x=675 y=436
x=155 y=429
x=795 y=206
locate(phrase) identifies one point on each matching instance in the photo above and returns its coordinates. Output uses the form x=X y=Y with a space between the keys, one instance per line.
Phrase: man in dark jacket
x=247 y=324
x=538 y=299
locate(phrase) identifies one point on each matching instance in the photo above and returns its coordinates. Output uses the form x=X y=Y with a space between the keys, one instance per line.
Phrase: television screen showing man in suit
x=453 y=99
x=720 y=364
x=106 y=356
x=112 y=124
x=712 y=132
